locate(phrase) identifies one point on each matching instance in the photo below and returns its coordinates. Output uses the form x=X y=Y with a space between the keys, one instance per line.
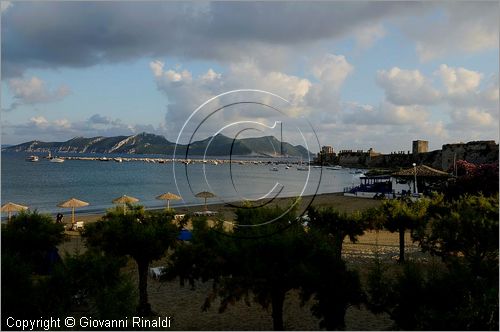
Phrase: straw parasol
x=168 y=197
x=125 y=200
x=73 y=203
x=12 y=207
x=205 y=195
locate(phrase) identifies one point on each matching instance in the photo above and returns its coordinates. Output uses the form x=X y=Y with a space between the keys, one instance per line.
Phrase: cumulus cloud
x=459 y=81
x=407 y=87
x=366 y=36
x=34 y=91
x=186 y=92
x=462 y=27
x=385 y=114
x=41 y=128
x=39 y=121
x=4 y=5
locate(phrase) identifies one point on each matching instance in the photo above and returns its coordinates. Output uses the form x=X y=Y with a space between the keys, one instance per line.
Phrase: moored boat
x=32 y=158
x=56 y=160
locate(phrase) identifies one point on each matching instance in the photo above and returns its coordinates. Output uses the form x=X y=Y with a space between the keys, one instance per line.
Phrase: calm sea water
x=42 y=185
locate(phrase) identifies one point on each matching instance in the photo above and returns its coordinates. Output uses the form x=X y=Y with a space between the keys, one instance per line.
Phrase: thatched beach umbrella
x=168 y=197
x=73 y=203
x=205 y=195
x=12 y=207
x=125 y=200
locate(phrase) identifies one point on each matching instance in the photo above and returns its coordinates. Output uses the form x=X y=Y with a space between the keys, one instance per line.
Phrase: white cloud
x=472 y=118
x=4 y=5
x=385 y=114
x=34 y=91
x=366 y=36
x=39 y=121
x=41 y=128
x=407 y=87
x=469 y=27
x=459 y=81
x=186 y=92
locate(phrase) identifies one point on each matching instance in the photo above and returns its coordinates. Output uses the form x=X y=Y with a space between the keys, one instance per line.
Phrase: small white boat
x=56 y=160
x=287 y=167
x=32 y=158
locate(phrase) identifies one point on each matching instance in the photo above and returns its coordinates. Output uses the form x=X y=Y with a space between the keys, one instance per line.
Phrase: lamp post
x=415 y=169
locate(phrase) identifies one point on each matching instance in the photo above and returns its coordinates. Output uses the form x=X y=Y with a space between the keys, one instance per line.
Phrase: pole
x=73 y=215
x=415 y=170
x=168 y=204
x=281 y=140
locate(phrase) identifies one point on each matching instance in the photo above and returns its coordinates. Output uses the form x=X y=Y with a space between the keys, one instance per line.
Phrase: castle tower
x=420 y=146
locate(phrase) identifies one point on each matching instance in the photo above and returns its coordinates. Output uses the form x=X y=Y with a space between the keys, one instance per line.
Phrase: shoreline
x=337 y=200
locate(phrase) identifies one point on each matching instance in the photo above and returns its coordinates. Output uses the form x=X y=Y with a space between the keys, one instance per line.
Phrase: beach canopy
x=205 y=195
x=73 y=203
x=125 y=200
x=168 y=197
x=421 y=171
x=12 y=207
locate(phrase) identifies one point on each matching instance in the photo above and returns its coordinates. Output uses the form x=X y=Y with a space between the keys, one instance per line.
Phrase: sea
x=43 y=185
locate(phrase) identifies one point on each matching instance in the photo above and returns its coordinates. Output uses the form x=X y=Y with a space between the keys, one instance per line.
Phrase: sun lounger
x=79 y=225
x=205 y=213
x=179 y=216
x=156 y=272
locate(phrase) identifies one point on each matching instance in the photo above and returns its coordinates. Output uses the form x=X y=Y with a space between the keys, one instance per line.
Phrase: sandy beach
x=183 y=304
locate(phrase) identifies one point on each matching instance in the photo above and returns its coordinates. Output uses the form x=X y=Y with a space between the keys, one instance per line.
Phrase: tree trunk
x=401 y=245
x=144 y=308
x=338 y=241
x=278 y=298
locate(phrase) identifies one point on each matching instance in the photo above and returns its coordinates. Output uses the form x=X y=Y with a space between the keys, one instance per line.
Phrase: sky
x=360 y=74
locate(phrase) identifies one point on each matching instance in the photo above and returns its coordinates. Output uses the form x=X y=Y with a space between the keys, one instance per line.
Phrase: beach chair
x=156 y=272
x=79 y=225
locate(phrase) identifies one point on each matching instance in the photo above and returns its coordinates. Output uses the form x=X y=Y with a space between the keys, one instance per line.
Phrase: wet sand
x=183 y=304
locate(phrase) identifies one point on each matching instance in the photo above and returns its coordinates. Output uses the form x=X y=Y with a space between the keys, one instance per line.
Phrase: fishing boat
x=56 y=160
x=32 y=158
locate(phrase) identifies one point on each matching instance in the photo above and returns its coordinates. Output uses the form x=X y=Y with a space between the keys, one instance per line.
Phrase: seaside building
x=420 y=146
x=412 y=181
x=477 y=152
x=326 y=156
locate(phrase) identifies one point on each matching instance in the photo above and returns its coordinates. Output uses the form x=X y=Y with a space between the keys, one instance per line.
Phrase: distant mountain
x=145 y=143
